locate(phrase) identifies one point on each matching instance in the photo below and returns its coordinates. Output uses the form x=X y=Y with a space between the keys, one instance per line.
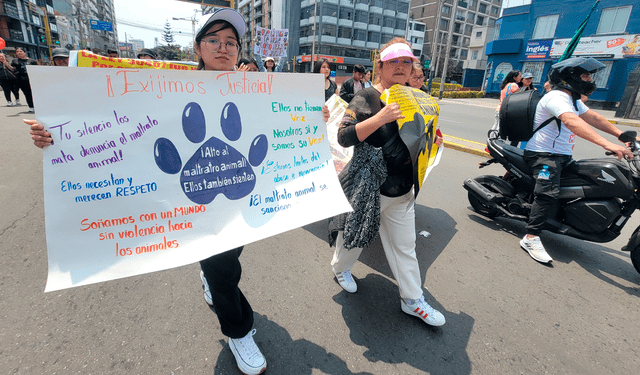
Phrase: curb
x=469 y=150
x=625 y=123
x=465 y=145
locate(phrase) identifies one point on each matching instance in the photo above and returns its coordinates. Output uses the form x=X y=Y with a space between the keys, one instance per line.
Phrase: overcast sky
x=154 y=13
x=514 y=3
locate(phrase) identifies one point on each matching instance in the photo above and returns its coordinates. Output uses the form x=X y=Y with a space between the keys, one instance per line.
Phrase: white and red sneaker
x=421 y=309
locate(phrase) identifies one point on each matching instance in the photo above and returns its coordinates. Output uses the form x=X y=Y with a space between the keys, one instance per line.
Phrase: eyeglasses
x=397 y=62
x=213 y=45
x=417 y=78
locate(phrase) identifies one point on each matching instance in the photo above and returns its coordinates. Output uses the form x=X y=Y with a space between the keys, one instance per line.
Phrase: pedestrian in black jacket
x=20 y=65
x=353 y=84
x=8 y=81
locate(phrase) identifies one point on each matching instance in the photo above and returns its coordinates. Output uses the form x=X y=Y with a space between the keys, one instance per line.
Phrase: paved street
x=465 y=123
x=506 y=314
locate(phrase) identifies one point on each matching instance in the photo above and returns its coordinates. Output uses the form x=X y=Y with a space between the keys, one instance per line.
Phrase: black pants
x=546 y=192
x=24 y=85
x=223 y=273
x=10 y=86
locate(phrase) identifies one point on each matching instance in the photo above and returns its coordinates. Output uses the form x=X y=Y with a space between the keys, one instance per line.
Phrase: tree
x=167 y=35
x=171 y=52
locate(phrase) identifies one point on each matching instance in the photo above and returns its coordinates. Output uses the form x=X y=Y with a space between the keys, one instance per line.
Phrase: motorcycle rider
x=550 y=149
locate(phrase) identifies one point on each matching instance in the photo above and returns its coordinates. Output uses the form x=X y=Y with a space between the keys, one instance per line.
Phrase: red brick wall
x=4 y=28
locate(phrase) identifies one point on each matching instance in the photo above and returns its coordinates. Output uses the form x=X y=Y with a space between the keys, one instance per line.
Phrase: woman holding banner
x=368 y=120
x=216 y=43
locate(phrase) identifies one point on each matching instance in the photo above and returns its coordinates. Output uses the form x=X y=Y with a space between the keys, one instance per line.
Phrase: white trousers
x=398 y=235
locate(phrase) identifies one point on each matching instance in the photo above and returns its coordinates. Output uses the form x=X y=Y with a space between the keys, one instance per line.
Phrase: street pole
x=313 y=43
x=47 y=30
x=446 y=56
x=193 y=28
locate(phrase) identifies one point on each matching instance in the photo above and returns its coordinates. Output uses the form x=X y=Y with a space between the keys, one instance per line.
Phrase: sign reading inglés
x=538 y=49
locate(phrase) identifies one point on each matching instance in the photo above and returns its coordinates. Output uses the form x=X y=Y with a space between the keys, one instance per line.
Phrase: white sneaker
x=421 y=309
x=9 y=104
x=248 y=356
x=207 y=292
x=346 y=281
x=31 y=110
x=535 y=249
x=18 y=102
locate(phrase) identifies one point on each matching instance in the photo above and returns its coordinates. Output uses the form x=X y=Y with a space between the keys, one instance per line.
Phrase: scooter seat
x=515 y=156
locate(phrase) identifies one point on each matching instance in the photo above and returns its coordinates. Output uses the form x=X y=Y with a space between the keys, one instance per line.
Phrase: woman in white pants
x=368 y=120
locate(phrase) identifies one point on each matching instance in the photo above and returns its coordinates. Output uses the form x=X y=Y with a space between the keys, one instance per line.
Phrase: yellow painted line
x=469 y=150
x=462 y=139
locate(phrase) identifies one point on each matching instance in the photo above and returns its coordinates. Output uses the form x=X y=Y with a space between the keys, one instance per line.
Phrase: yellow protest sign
x=87 y=59
x=417 y=129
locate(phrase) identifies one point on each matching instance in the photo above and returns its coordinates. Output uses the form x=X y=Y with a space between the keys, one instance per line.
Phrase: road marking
x=462 y=139
x=444 y=119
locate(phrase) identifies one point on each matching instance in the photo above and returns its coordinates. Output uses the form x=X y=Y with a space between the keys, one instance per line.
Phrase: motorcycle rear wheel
x=635 y=258
x=481 y=208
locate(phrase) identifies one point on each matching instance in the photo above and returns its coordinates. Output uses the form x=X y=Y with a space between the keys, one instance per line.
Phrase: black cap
x=148 y=52
x=59 y=52
x=112 y=50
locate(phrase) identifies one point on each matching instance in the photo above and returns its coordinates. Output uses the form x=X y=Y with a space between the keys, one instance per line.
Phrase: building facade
x=455 y=19
x=532 y=37
x=263 y=13
x=415 y=36
x=475 y=66
x=93 y=22
x=24 y=23
x=346 y=32
x=137 y=44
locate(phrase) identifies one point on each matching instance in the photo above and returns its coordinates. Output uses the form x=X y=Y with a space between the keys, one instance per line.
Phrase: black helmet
x=566 y=74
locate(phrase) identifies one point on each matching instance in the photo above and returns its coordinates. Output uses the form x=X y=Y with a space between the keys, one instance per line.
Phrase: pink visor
x=396 y=51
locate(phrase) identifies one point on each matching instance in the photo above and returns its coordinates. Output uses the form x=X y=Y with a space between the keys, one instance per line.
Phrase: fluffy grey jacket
x=361 y=180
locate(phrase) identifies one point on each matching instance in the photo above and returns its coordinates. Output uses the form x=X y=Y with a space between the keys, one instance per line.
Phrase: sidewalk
x=478 y=148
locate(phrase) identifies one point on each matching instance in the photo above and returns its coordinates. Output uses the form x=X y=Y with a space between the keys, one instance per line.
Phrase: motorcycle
x=597 y=196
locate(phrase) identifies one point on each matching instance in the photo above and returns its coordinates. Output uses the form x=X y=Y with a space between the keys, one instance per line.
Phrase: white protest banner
x=152 y=170
x=271 y=42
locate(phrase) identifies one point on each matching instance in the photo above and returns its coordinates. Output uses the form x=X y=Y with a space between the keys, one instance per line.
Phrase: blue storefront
x=531 y=38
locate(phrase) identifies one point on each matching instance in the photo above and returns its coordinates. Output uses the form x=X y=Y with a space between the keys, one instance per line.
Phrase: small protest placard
x=271 y=42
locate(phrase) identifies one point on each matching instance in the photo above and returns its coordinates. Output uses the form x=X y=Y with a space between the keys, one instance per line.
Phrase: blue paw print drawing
x=216 y=167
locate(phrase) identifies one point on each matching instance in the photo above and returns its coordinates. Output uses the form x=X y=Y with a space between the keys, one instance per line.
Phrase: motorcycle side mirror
x=628 y=136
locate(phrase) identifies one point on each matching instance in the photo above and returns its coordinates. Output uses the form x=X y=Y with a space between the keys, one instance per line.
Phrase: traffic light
x=426 y=64
x=43 y=39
